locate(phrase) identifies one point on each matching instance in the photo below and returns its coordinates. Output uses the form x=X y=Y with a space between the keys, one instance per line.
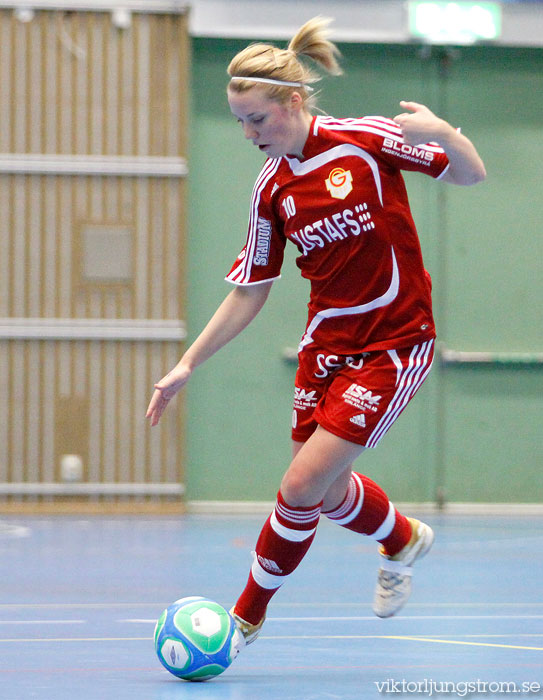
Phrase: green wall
x=472 y=434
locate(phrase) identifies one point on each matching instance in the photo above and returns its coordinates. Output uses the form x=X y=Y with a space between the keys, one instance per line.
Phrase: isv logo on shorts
x=361 y=398
x=304 y=399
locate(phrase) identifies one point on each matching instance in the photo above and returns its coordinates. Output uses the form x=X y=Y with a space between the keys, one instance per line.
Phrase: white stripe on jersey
x=385 y=299
x=376 y=125
x=383 y=122
x=443 y=173
x=242 y=273
x=397 y=363
x=341 y=151
x=412 y=377
x=253 y=284
x=380 y=126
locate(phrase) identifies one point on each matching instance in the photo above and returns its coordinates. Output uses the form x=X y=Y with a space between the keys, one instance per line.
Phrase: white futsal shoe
x=394 y=576
x=248 y=631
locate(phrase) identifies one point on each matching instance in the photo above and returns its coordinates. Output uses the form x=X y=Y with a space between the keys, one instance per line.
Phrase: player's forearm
x=465 y=164
x=235 y=313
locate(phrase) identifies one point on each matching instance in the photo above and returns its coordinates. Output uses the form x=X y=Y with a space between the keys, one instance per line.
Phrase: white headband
x=273 y=81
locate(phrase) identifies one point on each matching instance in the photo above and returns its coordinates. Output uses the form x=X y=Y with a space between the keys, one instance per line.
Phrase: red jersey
x=345 y=207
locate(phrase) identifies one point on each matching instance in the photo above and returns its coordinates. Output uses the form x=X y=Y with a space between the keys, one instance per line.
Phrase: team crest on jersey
x=339 y=183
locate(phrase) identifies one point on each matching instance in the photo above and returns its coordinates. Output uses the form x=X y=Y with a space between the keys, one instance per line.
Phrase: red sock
x=283 y=543
x=366 y=509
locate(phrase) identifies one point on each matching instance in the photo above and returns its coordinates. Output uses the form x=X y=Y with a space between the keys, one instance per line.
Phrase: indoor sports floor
x=80 y=596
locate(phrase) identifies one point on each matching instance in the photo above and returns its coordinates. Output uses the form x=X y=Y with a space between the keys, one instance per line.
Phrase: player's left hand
x=165 y=390
x=420 y=124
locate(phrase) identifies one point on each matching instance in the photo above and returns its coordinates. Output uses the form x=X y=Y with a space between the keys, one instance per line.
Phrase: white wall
x=375 y=21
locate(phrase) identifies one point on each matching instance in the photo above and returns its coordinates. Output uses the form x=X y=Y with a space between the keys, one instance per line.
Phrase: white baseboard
x=230 y=507
x=428 y=508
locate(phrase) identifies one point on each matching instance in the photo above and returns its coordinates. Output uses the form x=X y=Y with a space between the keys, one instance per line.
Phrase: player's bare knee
x=298 y=490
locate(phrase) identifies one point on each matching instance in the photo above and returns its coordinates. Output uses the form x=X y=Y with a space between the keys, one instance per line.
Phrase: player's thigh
x=318 y=464
x=296 y=447
x=337 y=490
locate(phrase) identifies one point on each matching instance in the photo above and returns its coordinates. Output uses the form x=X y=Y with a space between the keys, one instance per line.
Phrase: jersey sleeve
x=388 y=144
x=262 y=255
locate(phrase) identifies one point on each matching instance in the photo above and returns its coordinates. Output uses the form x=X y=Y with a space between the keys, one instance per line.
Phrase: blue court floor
x=80 y=597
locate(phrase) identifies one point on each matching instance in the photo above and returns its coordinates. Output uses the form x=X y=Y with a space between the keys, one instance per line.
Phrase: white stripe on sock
x=347 y=504
x=386 y=527
x=287 y=533
x=351 y=515
x=265 y=579
x=297 y=516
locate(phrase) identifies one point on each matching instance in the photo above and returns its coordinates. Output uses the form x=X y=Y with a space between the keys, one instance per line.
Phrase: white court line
x=411 y=605
x=77 y=639
x=86 y=606
x=9 y=530
x=282 y=636
x=139 y=621
x=407 y=638
x=43 y=622
x=356 y=618
x=363 y=618
x=318 y=603
x=436 y=636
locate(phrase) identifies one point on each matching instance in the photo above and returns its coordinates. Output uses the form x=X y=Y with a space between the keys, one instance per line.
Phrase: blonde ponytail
x=311 y=40
x=270 y=63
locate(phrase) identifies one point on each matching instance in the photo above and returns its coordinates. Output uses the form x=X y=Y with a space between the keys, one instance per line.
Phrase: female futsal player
x=334 y=188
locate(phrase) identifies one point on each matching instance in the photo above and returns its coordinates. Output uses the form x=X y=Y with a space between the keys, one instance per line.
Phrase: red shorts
x=356 y=397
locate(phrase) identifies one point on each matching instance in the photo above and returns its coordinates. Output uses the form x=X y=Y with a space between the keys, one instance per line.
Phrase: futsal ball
x=196 y=639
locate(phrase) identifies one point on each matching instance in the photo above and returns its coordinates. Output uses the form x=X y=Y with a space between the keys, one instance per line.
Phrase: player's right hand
x=419 y=125
x=165 y=390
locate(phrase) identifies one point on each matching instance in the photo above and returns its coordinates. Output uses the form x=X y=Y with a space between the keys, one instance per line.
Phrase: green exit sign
x=455 y=22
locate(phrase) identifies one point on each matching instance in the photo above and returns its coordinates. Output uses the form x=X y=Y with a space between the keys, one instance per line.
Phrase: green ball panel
x=206 y=625
x=159 y=625
x=204 y=673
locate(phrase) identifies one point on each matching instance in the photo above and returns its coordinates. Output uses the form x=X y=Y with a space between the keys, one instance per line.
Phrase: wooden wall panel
x=86 y=398
x=40 y=230
x=75 y=90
